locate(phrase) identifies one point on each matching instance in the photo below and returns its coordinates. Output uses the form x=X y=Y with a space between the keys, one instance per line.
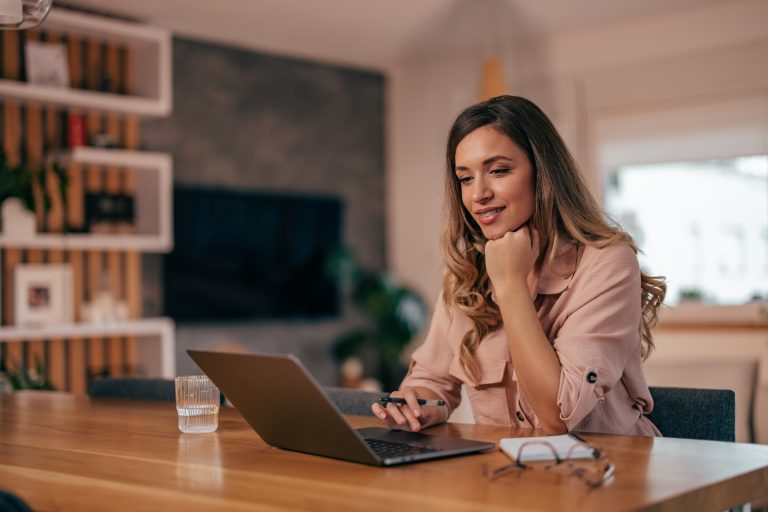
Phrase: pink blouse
x=591 y=317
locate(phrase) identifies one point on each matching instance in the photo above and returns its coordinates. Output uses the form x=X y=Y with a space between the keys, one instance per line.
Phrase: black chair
x=354 y=401
x=9 y=502
x=134 y=388
x=349 y=401
x=694 y=413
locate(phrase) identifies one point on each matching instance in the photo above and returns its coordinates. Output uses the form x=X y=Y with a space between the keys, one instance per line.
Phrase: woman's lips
x=488 y=216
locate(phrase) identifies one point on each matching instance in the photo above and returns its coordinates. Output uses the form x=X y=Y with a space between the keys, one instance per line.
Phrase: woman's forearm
x=536 y=363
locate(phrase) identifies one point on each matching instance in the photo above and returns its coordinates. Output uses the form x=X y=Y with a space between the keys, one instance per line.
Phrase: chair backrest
x=354 y=401
x=694 y=413
x=134 y=388
x=349 y=401
x=9 y=502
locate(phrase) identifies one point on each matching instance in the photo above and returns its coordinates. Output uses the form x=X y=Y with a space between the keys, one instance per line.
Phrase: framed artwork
x=47 y=63
x=43 y=294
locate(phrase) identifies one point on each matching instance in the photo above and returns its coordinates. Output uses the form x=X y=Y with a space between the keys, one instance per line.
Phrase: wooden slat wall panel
x=33 y=144
x=76 y=367
x=33 y=139
x=94 y=184
x=133 y=273
x=29 y=133
x=56 y=362
x=116 y=356
x=95 y=272
x=13 y=352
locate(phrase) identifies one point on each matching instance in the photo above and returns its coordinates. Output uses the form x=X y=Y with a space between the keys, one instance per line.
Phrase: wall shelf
x=158 y=358
x=150 y=68
x=154 y=227
x=94 y=100
x=147 y=74
x=693 y=315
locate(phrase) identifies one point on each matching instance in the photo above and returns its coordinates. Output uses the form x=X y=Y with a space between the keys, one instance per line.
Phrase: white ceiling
x=366 y=33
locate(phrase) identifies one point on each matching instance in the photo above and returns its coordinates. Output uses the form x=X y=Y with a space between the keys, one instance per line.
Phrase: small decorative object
x=75 y=130
x=394 y=315
x=47 y=64
x=104 y=140
x=351 y=372
x=43 y=294
x=103 y=307
x=18 y=221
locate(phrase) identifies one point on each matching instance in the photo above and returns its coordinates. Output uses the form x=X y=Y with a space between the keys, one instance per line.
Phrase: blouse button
x=520 y=416
x=591 y=377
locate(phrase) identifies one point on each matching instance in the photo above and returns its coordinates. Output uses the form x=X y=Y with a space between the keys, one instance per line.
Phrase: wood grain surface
x=62 y=452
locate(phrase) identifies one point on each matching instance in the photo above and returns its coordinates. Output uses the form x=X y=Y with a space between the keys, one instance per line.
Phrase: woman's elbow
x=554 y=428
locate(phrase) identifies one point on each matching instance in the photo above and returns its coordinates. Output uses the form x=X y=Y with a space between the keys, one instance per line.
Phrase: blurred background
x=336 y=113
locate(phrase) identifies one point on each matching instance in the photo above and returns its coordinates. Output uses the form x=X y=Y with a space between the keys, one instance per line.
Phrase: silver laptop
x=283 y=403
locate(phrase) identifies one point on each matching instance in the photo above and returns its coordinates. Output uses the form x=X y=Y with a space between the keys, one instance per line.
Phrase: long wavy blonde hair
x=563 y=206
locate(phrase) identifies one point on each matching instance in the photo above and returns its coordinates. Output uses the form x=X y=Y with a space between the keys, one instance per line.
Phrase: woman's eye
x=464 y=179
x=500 y=170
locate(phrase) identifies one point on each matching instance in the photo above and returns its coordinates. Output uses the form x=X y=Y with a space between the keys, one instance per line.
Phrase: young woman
x=544 y=314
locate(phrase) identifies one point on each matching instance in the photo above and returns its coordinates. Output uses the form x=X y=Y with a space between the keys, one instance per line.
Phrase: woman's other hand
x=409 y=416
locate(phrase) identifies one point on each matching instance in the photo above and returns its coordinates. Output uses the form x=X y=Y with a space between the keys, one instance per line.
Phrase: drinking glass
x=197 y=402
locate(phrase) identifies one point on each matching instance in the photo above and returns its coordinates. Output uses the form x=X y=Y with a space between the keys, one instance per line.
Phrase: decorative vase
x=18 y=222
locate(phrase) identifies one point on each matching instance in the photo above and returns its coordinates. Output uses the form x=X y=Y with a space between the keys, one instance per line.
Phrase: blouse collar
x=556 y=273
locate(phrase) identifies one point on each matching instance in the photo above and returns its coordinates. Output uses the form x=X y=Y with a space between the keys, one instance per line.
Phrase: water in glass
x=197 y=402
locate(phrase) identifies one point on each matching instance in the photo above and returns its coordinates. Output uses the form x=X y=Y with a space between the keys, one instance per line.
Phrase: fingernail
x=416 y=412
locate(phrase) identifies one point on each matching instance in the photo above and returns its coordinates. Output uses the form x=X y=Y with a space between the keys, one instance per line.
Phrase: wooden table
x=61 y=452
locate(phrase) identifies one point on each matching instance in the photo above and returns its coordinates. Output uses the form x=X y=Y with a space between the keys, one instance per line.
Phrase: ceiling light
x=21 y=14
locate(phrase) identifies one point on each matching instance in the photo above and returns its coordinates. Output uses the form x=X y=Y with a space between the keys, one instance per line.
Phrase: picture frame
x=43 y=294
x=47 y=64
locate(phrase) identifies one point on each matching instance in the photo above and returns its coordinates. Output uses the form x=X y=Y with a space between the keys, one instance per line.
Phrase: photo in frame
x=47 y=63
x=43 y=294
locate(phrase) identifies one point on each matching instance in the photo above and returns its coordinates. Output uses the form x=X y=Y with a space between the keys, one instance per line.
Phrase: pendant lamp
x=492 y=82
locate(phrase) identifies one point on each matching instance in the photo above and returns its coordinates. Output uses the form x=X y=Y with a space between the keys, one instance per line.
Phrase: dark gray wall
x=252 y=121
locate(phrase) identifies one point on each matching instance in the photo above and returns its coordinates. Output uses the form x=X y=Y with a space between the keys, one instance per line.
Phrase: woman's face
x=496 y=181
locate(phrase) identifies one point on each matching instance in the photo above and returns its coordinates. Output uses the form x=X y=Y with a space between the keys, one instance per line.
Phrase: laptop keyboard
x=388 y=449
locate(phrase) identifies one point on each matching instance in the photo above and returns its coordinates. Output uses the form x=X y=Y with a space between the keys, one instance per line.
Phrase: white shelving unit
x=150 y=68
x=151 y=96
x=155 y=336
x=154 y=175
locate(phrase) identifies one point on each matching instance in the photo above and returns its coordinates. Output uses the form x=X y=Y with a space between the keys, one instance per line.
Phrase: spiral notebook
x=538 y=451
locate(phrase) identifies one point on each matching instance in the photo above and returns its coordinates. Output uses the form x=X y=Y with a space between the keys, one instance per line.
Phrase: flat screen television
x=242 y=256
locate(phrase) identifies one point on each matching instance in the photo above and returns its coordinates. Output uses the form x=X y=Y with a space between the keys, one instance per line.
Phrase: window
x=690 y=182
x=703 y=224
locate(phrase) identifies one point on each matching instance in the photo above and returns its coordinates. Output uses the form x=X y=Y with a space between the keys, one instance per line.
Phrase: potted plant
x=691 y=294
x=393 y=315
x=28 y=378
x=18 y=182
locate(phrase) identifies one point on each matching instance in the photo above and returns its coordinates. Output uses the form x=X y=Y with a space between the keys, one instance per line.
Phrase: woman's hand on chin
x=510 y=259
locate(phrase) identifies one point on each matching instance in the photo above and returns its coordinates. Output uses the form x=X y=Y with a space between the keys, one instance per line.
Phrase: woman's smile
x=488 y=215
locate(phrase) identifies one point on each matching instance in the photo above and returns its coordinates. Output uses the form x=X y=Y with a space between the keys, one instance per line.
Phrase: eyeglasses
x=594 y=471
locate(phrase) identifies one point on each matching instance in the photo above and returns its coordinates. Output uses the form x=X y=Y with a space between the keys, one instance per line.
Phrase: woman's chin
x=494 y=234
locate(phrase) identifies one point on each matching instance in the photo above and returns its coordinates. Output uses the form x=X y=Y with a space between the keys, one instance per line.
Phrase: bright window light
x=703 y=225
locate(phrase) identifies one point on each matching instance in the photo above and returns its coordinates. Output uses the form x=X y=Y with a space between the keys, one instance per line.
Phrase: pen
x=421 y=401
x=577 y=437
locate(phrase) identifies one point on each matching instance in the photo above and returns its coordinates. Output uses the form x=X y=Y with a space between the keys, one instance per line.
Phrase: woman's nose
x=480 y=192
